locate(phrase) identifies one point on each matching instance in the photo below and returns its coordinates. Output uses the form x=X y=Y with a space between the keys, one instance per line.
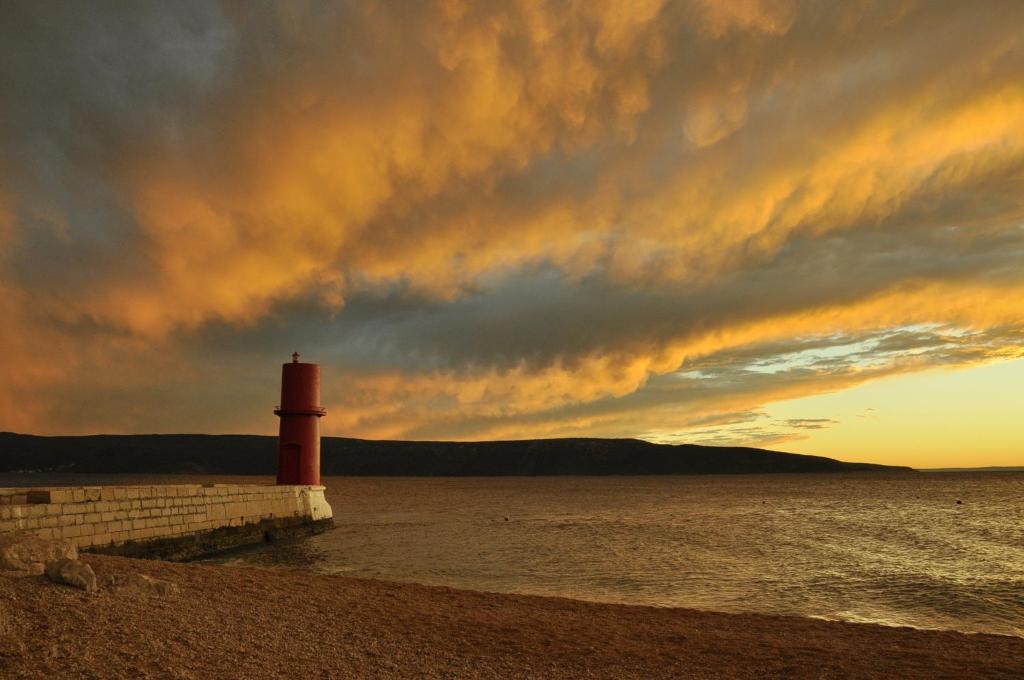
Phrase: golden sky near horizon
x=760 y=222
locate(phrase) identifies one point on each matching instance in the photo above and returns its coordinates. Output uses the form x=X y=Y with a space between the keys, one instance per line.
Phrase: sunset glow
x=797 y=225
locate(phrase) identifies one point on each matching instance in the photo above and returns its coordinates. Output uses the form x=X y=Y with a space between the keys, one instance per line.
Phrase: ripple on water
x=892 y=549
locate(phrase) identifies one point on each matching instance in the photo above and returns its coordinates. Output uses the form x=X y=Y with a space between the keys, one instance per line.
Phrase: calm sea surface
x=892 y=549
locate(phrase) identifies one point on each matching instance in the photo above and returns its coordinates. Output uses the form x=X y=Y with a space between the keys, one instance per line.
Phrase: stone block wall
x=107 y=516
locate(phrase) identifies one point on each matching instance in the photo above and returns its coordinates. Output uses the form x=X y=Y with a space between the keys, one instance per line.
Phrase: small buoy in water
x=506 y=518
x=959 y=502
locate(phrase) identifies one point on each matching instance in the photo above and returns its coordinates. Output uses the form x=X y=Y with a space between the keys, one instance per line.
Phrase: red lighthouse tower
x=298 y=459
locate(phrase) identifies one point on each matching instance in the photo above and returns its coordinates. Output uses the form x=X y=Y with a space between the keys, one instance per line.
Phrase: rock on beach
x=27 y=553
x=72 y=573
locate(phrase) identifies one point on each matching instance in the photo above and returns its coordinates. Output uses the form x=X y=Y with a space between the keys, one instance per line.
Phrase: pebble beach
x=248 y=622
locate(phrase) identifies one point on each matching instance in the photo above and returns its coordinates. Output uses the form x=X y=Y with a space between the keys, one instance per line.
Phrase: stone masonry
x=107 y=516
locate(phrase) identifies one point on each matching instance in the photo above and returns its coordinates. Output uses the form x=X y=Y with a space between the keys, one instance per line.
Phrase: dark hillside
x=252 y=454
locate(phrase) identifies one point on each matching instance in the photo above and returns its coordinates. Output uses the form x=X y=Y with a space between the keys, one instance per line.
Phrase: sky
x=789 y=224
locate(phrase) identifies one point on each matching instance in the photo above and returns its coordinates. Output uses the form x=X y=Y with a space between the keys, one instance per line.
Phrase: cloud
x=500 y=219
x=810 y=423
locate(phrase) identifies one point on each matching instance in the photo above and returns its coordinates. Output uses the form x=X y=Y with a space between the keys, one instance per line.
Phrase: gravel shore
x=239 y=622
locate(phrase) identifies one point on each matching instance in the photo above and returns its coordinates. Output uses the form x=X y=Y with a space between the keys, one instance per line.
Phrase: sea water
x=929 y=550
x=895 y=549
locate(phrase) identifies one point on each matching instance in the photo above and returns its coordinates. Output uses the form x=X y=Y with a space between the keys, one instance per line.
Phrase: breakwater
x=172 y=521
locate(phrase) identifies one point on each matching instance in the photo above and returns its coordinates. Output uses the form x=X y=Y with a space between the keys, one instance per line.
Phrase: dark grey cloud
x=500 y=219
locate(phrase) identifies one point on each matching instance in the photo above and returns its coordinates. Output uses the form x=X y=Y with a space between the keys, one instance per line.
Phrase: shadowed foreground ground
x=237 y=622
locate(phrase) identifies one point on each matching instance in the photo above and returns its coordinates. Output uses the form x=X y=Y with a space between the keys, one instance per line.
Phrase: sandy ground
x=236 y=622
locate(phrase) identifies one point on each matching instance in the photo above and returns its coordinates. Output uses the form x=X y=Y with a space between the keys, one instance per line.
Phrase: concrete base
x=182 y=548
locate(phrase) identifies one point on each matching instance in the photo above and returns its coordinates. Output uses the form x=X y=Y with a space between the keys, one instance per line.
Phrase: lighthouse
x=298 y=455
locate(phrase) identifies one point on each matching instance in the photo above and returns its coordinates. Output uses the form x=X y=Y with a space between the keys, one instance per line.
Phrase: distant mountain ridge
x=256 y=454
x=987 y=468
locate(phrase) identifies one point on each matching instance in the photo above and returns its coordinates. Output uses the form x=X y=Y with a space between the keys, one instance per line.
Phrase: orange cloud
x=494 y=219
x=396 y=405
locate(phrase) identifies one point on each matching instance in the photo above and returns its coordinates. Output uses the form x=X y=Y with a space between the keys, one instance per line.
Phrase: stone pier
x=174 y=521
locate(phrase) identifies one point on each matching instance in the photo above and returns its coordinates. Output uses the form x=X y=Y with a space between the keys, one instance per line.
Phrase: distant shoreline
x=991 y=468
x=256 y=454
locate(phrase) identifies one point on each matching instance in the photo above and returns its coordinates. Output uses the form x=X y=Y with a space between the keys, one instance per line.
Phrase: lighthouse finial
x=295 y=357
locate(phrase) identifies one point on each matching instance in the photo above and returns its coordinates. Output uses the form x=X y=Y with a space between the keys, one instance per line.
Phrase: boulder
x=73 y=573
x=26 y=552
